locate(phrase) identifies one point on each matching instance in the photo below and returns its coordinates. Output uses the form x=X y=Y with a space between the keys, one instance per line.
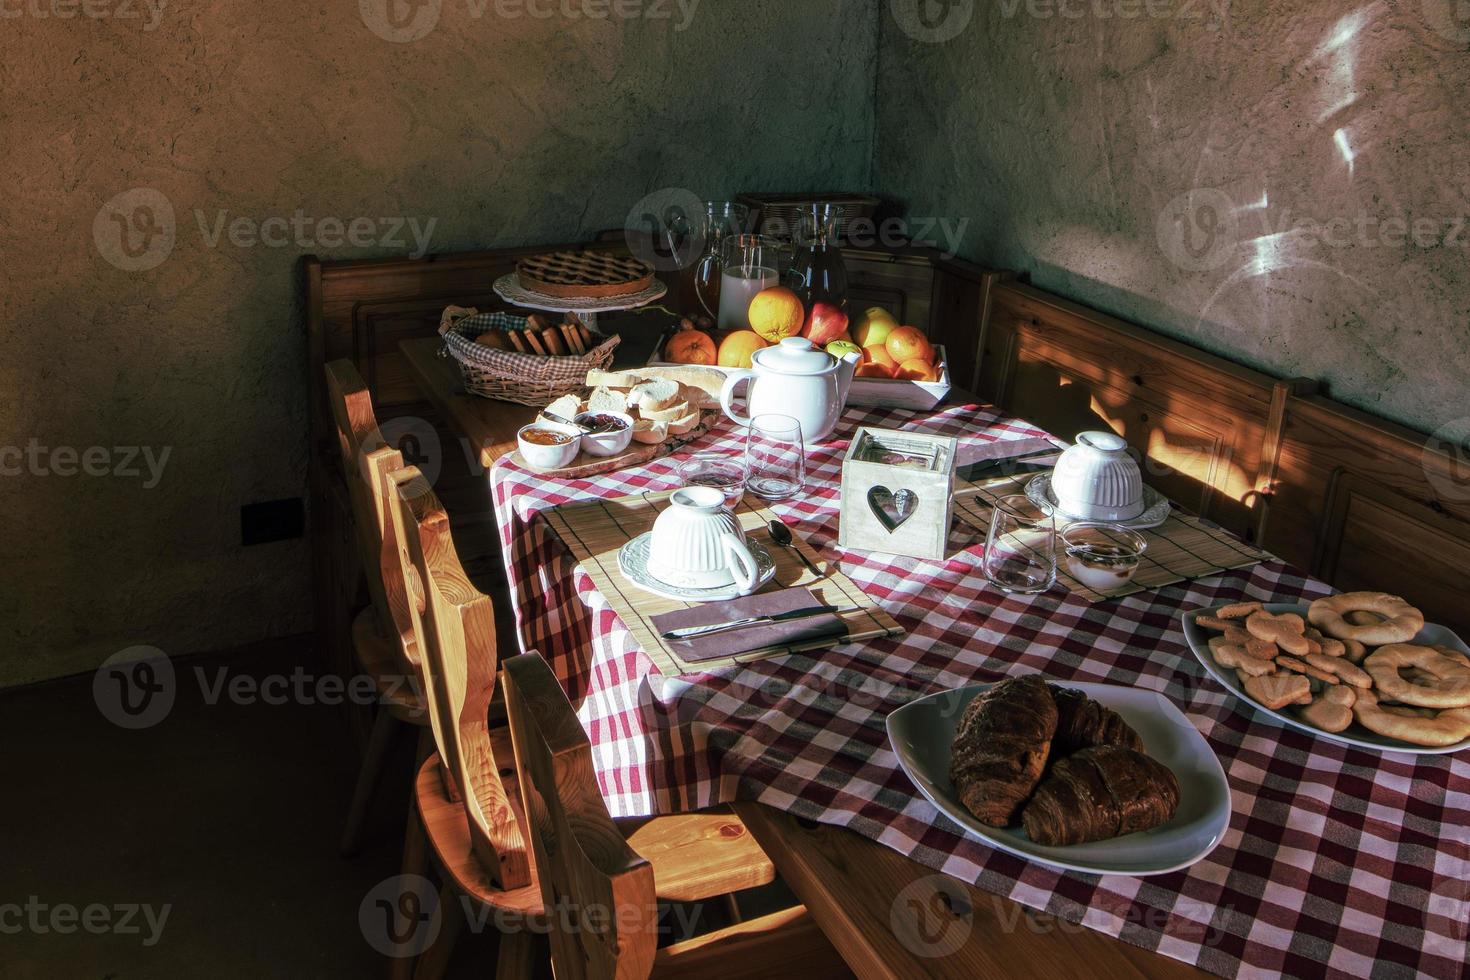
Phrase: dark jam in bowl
x=547 y=437
x=600 y=422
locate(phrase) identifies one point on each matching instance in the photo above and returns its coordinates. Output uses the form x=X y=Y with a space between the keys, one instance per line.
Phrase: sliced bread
x=655 y=395
x=674 y=412
x=649 y=432
x=686 y=424
x=567 y=406
x=605 y=399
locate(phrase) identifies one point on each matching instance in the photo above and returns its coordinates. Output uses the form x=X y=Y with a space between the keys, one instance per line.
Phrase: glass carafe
x=817 y=273
x=721 y=220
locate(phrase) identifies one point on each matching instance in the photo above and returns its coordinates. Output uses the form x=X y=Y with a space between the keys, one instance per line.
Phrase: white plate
x=1155 y=505
x=509 y=288
x=633 y=563
x=1199 y=644
x=921 y=733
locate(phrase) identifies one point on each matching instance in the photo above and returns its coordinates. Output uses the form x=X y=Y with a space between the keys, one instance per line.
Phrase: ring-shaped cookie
x=1401 y=621
x=1448 y=684
x=1446 y=728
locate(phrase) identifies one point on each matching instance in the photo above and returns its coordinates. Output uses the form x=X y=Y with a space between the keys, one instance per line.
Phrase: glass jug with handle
x=818 y=274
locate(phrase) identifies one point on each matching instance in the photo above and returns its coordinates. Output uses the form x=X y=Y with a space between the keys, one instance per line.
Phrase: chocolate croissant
x=1000 y=748
x=1083 y=723
x=1097 y=793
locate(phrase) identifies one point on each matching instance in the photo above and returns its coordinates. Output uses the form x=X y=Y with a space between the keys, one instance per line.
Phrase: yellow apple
x=873 y=327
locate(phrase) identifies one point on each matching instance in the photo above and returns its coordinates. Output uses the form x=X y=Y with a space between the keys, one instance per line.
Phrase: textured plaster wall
x=497 y=124
x=1283 y=183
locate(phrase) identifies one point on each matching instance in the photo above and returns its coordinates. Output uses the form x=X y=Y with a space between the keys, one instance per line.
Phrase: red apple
x=825 y=324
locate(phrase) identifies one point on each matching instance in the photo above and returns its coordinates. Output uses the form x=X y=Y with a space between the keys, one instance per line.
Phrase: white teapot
x=795 y=378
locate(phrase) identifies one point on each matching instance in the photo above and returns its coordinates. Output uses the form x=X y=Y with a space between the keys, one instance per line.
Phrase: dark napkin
x=727 y=644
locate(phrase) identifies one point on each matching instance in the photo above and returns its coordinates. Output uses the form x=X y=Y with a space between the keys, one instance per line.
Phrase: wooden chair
x=605 y=893
x=479 y=842
x=383 y=643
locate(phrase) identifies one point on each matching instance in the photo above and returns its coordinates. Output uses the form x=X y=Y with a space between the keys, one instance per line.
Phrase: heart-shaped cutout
x=892 y=509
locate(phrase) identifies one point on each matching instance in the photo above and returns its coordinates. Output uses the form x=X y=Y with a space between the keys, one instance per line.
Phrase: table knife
x=689 y=632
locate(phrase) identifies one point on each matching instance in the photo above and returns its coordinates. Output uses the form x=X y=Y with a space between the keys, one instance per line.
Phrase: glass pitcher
x=721 y=219
x=817 y=273
x=748 y=265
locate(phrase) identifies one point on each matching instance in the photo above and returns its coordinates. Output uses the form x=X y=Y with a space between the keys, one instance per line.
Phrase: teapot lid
x=794 y=355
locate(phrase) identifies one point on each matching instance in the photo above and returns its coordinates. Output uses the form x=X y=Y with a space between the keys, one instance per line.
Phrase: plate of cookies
x=1362 y=668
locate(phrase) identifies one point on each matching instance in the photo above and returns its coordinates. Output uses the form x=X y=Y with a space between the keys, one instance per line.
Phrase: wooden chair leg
x=435 y=960
x=415 y=862
x=385 y=726
x=516 y=959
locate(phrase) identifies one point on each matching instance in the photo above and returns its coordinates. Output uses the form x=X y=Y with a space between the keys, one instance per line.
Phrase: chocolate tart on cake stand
x=584 y=283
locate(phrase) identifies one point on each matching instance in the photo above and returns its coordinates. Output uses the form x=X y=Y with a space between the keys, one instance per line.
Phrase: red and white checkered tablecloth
x=1338 y=861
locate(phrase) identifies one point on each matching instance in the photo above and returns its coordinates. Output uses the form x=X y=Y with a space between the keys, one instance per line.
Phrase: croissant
x=1098 y=793
x=1083 y=723
x=1000 y=748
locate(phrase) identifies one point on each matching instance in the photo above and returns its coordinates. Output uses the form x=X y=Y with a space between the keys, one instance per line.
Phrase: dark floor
x=224 y=814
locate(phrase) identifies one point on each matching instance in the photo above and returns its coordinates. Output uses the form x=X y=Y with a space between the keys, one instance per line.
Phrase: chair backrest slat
x=367 y=462
x=598 y=891
x=455 y=624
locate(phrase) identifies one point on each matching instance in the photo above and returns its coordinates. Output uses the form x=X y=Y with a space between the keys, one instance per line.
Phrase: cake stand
x=509 y=288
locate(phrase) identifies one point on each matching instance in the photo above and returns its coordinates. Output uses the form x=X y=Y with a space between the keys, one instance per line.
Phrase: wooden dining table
x=850 y=884
x=1334 y=856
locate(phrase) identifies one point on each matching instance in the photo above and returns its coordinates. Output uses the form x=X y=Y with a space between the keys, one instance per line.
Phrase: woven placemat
x=596 y=530
x=1180 y=549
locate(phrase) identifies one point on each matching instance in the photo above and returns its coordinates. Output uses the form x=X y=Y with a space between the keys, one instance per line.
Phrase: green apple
x=841 y=348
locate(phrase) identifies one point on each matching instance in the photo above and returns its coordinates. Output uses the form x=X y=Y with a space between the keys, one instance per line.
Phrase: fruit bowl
x=893 y=392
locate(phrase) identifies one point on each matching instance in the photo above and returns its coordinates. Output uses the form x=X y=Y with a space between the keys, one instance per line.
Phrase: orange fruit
x=736 y=348
x=776 y=314
x=873 y=370
x=878 y=354
x=917 y=369
x=690 y=347
x=873 y=327
x=909 y=344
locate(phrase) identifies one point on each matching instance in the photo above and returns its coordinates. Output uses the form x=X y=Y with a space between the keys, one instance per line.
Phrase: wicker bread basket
x=528 y=379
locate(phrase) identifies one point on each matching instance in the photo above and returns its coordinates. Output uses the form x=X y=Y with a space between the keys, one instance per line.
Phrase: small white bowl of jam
x=548 y=445
x=610 y=435
x=1103 y=557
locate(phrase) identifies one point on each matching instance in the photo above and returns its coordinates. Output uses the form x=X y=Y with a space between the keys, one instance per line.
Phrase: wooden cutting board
x=588 y=465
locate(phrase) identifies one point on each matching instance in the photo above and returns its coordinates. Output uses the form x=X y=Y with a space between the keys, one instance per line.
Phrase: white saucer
x=633 y=563
x=1155 y=505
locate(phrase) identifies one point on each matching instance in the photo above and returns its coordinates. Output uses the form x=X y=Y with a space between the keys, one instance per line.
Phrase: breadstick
x=573 y=339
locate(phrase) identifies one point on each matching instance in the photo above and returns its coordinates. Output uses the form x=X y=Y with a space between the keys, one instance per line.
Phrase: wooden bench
x=1356 y=501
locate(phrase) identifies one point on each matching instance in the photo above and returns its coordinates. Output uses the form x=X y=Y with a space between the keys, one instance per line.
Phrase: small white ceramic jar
x=548 y=445
x=1097 y=480
x=698 y=544
x=608 y=443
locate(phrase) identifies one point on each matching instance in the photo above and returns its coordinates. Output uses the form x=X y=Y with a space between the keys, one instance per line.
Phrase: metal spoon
x=781 y=534
x=552 y=416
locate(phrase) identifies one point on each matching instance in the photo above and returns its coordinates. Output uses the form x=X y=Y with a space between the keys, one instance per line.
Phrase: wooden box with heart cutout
x=897 y=493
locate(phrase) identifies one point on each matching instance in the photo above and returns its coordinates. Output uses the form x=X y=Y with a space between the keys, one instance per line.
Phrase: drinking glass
x=720 y=470
x=1020 y=551
x=722 y=219
x=775 y=457
x=748 y=264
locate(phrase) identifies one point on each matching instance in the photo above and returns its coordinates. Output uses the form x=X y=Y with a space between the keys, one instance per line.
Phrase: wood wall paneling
x=1198 y=423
